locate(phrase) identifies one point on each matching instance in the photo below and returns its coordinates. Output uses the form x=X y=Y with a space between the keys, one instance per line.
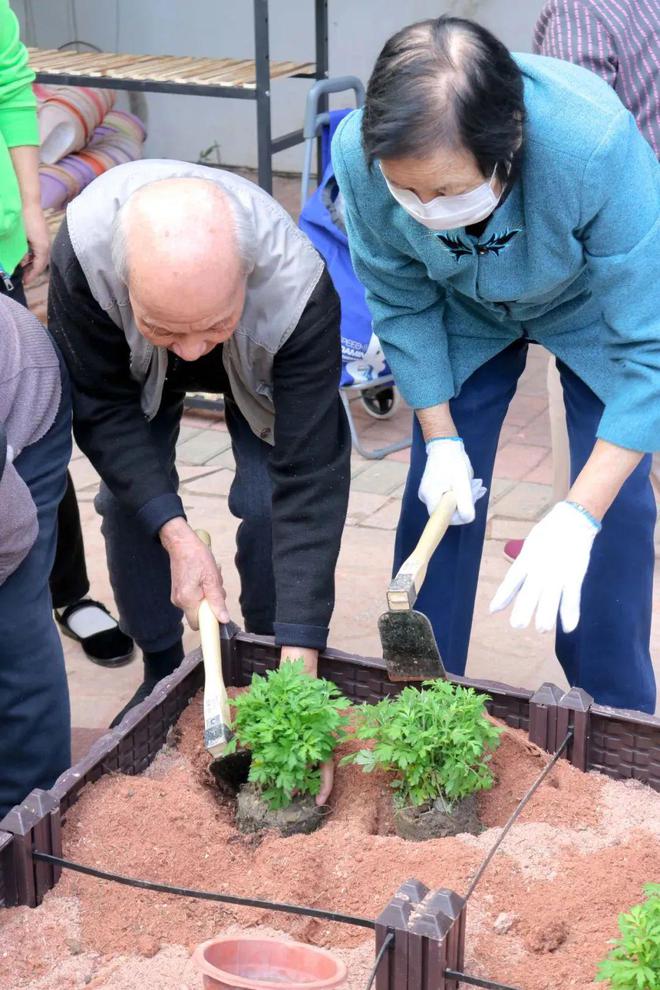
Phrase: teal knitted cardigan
x=570 y=259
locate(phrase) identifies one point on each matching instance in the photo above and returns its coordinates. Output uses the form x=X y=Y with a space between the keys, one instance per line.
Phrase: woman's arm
x=25 y=159
x=436 y=421
x=622 y=250
x=20 y=130
x=602 y=477
x=620 y=234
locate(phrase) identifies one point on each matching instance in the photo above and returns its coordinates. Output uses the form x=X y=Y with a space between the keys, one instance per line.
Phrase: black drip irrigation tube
x=516 y=814
x=389 y=938
x=309 y=912
x=205 y=895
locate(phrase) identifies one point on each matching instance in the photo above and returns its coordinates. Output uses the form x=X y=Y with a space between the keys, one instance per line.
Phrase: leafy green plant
x=291 y=722
x=436 y=741
x=634 y=962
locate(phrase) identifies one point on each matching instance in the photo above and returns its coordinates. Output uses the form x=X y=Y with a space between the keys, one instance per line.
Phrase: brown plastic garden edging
x=621 y=744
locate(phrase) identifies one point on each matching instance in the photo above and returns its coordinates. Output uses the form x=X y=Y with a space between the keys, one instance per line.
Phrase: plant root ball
x=254 y=815
x=420 y=824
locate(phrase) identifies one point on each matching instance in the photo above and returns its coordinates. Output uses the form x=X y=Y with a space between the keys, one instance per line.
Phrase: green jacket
x=18 y=126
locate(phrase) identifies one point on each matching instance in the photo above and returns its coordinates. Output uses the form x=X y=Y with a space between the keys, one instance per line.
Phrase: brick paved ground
x=521 y=492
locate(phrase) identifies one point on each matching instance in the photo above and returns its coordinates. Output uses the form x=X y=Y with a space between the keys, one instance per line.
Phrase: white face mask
x=448 y=212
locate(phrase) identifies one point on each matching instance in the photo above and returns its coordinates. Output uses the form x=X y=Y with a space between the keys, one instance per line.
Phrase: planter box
x=618 y=743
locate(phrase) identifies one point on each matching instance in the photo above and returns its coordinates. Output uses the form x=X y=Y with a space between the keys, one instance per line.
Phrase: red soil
x=579 y=855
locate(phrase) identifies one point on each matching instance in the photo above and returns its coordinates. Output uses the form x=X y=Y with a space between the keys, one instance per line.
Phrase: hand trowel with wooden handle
x=217 y=732
x=409 y=647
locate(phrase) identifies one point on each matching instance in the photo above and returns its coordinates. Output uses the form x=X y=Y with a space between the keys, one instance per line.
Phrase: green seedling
x=634 y=962
x=291 y=723
x=437 y=742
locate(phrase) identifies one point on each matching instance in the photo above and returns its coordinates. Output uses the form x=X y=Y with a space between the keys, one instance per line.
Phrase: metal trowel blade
x=409 y=647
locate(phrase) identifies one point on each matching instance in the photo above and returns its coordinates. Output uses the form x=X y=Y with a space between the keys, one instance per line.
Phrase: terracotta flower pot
x=249 y=962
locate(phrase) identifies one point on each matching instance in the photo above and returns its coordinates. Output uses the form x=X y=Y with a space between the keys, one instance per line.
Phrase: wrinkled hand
x=36 y=230
x=547 y=576
x=448 y=469
x=310 y=659
x=195 y=574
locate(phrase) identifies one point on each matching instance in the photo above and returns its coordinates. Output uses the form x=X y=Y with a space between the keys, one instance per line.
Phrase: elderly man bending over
x=169 y=277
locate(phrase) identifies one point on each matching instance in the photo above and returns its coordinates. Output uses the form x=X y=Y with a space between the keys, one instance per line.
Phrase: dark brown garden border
x=619 y=743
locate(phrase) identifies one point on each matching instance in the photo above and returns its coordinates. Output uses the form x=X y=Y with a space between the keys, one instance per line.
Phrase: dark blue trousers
x=68 y=579
x=138 y=565
x=608 y=654
x=35 y=723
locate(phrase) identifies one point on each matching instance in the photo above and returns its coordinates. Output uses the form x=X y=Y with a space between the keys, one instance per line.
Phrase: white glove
x=547 y=576
x=448 y=469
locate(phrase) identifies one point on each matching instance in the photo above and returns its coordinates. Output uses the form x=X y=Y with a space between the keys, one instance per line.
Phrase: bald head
x=178 y=247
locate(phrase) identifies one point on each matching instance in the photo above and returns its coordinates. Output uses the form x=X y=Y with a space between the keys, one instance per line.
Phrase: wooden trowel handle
x=407 y=584
x=209 y=634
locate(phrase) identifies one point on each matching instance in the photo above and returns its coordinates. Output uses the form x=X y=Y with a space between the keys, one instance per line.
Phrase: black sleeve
x=310 y=470
x=108 y=422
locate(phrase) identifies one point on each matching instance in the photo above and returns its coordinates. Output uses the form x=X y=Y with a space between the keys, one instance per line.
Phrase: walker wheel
x=380 y=402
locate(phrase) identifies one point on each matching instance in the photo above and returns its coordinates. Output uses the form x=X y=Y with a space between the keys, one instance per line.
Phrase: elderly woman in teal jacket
x=493 y=201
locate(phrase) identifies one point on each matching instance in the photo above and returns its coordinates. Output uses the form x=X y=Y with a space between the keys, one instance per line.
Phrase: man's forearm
x=173 y=532
x=195 y=574
x=309 y=657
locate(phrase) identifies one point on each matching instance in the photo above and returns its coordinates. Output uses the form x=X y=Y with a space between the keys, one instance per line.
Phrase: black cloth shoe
x=110 y=648
x=156 y=666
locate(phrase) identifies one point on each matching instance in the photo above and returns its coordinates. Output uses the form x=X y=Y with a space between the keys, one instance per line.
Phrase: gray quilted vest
x=285 y=275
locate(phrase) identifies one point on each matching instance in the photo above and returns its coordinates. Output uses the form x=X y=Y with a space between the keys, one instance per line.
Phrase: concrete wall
x=182 y=127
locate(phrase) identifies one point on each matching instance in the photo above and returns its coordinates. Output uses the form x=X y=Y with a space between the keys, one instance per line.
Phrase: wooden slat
x=100 y=67
x=54 y=60
x=144 y=70
x=147 y=64
x=211 y=69
x=107 y=64
x=90 y=65
x=245 y=74
x=68 y=63
x=85 y=63
x=287 y=68
x=122 y=68
x=51 y=60
x=177 y=69
x=220 y=75
x=179 y=72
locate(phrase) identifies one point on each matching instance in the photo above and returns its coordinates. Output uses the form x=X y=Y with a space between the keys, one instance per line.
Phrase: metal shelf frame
x=267 y=145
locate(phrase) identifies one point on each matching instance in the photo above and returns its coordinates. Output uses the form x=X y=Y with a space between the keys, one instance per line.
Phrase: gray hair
x=243 y=231
x=445 y=83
